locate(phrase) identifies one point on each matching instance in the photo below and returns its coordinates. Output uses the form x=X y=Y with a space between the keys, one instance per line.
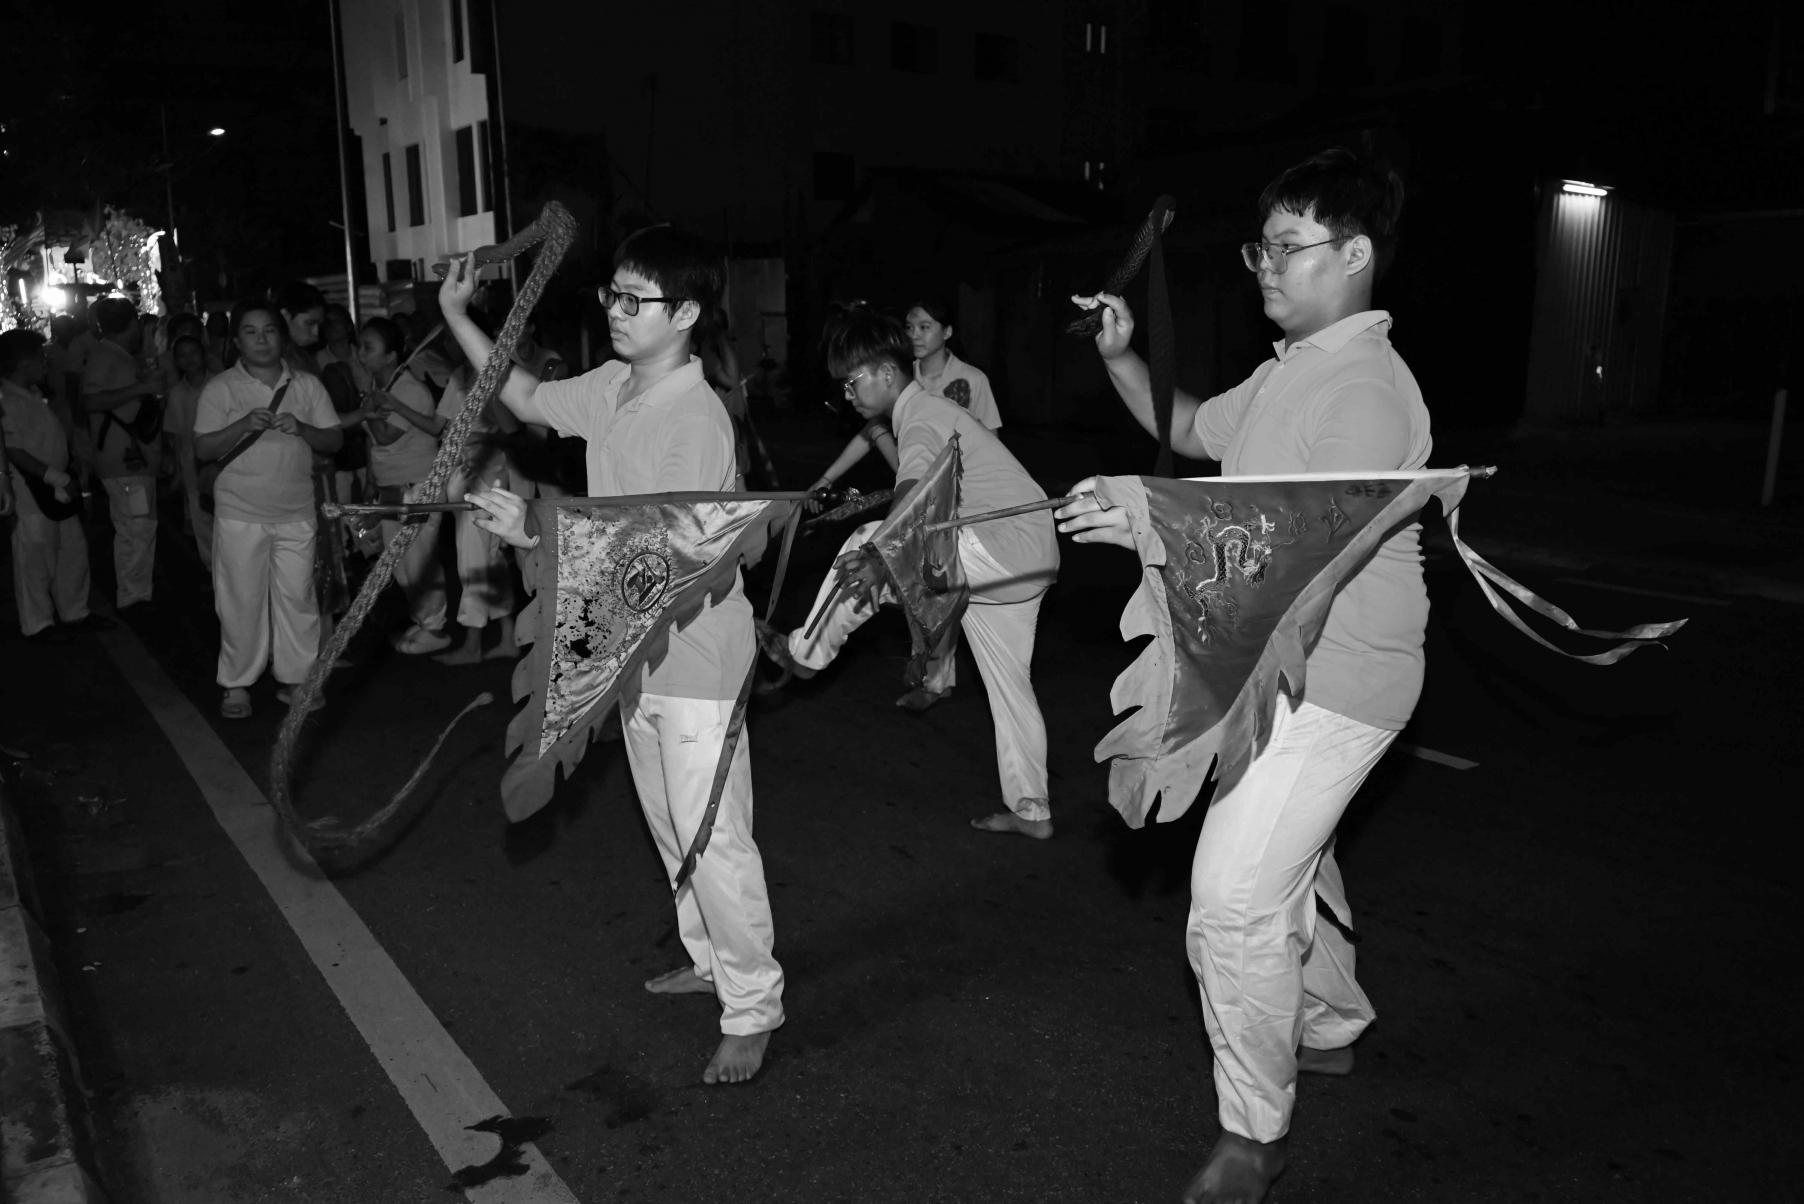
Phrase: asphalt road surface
x=1574 y=885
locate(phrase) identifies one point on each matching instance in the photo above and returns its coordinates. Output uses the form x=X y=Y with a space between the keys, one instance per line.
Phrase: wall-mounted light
x=217 y=131
x=1580 y=188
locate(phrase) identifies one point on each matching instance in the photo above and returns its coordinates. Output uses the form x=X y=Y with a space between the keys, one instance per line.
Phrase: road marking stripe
x=441 y=1087
x=1439 y=758
x=1646 y=593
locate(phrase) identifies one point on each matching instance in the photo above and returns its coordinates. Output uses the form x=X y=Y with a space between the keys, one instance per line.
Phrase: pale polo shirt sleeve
x=213 y=411
x=308 y=401
x=1360 y=425
x=576 y=407
x=983 y=401
x=1218 y=418
x=697 y=455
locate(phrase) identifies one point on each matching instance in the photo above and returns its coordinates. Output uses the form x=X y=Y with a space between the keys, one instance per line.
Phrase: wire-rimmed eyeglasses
x=629 y=302
x=850 y=383
x=1276 y=254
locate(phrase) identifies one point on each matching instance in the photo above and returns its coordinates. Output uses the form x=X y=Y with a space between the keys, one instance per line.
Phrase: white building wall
x=438 y=97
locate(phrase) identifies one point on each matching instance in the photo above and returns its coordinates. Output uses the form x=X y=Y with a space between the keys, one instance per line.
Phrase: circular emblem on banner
x=644 y=580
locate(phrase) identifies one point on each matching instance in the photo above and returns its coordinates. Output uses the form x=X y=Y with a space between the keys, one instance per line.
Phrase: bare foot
x=737 y=1059
x=680 y=982
x=1239 y=1171
x=1338 y=1062
x=1009 y=822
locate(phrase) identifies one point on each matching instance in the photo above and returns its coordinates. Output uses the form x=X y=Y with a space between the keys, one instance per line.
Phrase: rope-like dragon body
x=555 y=229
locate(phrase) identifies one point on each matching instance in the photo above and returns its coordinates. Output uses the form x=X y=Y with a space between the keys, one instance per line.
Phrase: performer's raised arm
x=1128 y=373
x=454 y=302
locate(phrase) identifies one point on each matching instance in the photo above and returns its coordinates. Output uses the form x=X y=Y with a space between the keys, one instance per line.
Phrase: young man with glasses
x=653 y=425
x=1276 y=980
x=1010 y=563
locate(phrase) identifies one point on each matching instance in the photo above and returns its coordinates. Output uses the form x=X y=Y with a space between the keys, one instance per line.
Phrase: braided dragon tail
x=329 y=838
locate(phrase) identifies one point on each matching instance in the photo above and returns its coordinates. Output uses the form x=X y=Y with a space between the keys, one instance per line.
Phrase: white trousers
x=419 y=573
x=1002 y=642
x=50 y=570
x=132 y=503
x=487 y=582
x=723 y=912
x=263 y=592
x=1272 y=977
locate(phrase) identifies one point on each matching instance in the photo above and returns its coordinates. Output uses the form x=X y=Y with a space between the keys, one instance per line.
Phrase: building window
x=400 y=45
x=457 y=31
x=1096 y=37
x=481 y=20
x=835 y=177
x=482 y=164
x=416 y=188
x=914 y=48
x=996 y=59
x=832 y=38
x=468 y=200
x=388 y=187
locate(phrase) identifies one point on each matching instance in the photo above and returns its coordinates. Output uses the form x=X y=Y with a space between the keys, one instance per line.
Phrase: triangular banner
x=610 y=580
x=1237 y=577
x=923 y=565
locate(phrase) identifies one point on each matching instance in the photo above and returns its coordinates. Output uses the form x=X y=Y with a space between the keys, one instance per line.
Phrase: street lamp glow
x=1580 y=188
x=217 y=131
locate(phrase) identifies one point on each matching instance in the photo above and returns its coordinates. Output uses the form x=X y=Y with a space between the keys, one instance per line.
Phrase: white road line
x=442 y=1088
x=1696 y=599
x=1439 y=758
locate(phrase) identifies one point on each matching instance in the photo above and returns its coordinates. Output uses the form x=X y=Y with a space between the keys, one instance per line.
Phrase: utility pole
x=344 y=179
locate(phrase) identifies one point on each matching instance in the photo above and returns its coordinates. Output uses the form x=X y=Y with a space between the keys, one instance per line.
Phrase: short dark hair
x=18 y=347
x=251 y=305
x=1348 y=193
x=860 y=335
x=937 y=308
x=682 y=265
x=297 y=297
x=388 y=330
x=112 y=315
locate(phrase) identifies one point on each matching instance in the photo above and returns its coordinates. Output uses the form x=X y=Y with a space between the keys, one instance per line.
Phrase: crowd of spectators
x=229 y=437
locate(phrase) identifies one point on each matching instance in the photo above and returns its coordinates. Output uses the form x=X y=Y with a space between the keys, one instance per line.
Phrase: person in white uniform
x=1276 y=976
x=263 y=514
x=1009 y=563
x=939 y=371
x=50 y=551
x=651 y=424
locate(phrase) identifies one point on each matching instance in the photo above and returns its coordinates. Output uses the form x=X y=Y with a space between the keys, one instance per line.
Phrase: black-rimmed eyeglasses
x=1276 y=254
x=630 y=302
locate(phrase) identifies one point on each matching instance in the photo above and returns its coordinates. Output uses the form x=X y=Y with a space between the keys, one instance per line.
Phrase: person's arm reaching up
x=454 y=303
x=1128 y=373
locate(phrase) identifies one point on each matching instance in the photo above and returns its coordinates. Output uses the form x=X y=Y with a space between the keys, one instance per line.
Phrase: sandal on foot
x=236 y=704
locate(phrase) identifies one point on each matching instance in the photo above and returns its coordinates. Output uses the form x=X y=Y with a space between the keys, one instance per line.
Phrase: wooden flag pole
x=392 y=509
x=1051 y=503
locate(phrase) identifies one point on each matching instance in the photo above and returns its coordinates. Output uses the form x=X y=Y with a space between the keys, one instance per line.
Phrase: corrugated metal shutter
x=1600 y=305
